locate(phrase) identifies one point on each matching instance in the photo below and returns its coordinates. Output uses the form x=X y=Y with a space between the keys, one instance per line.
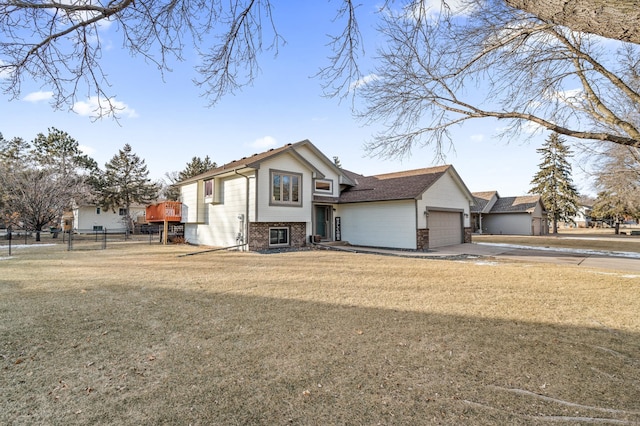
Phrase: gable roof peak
x=403 y=185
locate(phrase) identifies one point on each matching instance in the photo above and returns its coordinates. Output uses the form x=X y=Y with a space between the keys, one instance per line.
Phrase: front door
x=323 y=222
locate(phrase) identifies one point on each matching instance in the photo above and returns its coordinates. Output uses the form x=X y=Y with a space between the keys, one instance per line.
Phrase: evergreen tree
x=13 y=153
x=195 y=167
x=124 y=182
x=336 y=162
x=13 y=159
x=61 y=153
x=553 y=181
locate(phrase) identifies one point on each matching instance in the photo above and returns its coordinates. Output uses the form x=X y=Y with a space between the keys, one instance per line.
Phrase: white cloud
x=87 y=149
x=573 y=97
x=478 y=137
x=96 y=107
x=363 y=81
x=263 y=143
x=38 y=96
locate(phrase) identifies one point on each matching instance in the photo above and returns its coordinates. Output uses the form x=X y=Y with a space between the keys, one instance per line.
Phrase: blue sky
x=167 y=122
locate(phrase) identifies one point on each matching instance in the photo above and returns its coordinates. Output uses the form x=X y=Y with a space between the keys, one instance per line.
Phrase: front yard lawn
x=137 y=335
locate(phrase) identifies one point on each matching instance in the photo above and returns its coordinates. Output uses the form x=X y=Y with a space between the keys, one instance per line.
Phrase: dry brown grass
x=136 y=335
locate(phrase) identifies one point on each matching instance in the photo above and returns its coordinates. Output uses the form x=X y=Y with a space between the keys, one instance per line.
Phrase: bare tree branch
x=497 y=62
x=613 y=19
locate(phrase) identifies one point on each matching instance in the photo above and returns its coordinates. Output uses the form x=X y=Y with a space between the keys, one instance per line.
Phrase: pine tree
x=196 y=166
x=14 y=153
x=13 y=160
x=61 y=153
x=124 y=182
x=336 y=162
x=553 y=181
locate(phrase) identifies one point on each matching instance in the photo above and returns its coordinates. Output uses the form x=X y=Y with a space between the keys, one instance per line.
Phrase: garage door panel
x=445 y=228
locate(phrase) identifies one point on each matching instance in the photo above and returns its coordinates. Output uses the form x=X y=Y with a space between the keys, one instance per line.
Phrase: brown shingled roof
x=525 y=203
x=481 y=200
x=241 y=163
x=404 y=185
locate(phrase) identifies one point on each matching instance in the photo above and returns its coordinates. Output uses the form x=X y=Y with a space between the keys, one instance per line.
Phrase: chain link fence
x=87 y=239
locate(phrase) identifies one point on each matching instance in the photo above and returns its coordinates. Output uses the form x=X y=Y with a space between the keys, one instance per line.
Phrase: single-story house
x=289 y=196
x=522 y=215
x=90 y=218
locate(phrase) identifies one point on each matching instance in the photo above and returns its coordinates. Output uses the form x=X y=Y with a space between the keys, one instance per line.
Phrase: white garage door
x=445 y=229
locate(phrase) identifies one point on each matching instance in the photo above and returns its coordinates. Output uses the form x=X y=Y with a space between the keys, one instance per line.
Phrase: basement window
x=278 y=237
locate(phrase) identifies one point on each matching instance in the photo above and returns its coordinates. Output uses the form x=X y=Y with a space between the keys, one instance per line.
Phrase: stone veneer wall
x=259 y=234
x=422 y=239
x=467 y=235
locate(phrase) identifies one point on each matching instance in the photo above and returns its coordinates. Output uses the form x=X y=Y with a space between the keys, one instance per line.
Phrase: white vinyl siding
x=85 y=218
x=507 y=223
x=191 y=203
x=221 y=223
x=445 y=194
x=379 y=224
x=268 y=212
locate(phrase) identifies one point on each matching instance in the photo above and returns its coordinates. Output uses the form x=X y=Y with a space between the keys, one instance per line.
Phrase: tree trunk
x=37 y=235
x=616 y=19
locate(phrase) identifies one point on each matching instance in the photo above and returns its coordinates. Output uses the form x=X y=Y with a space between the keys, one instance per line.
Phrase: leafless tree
x=612 y=19
x=59 y=43
x=429 y=67
x=617 y=181
x=498 y=62
x=36 y=198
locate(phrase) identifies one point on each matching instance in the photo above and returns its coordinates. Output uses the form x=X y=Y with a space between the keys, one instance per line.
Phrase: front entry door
x=323 y=222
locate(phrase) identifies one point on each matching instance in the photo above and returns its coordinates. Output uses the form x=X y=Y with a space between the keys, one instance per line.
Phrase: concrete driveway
x=589 y=258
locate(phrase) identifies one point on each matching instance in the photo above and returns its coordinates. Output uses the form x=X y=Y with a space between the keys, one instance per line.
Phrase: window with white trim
x=208 y=188
x=285 y=188
x=278 y=237
x=122 y=211
x=97 y=210
x=323 y=186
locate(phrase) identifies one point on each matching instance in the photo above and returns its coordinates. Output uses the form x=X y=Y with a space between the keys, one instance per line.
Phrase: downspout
x=246 y=211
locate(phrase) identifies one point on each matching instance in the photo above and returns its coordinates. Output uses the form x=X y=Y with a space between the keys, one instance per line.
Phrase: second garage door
x=445 y=228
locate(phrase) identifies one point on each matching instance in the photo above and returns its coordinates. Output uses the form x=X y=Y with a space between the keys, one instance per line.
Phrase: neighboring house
x=582 y=218
x=89 y=218
x=523 y=215
x=290 y=195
